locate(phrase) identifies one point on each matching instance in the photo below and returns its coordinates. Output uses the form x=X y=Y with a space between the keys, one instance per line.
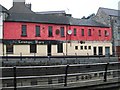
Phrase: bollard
x=15 y=82
x=66 y=74
x=105 y=74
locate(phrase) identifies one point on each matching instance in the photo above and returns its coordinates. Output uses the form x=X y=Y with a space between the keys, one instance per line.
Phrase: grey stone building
x=110 y=17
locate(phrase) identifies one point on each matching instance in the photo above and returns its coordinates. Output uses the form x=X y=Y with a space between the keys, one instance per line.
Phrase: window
x=9 y=49
x=62 y=31
x=100 y=50
x=37 y=31
x=85 y=47
x=60 y=48
x=76 y=47
x=81 y=47
x=99 y=32
x=24 y=30
x=82 y=32
x=50 y=31
x=74 y=31
x=89 y=32
x=33 y=48
x=89 y=47
x=106 y=33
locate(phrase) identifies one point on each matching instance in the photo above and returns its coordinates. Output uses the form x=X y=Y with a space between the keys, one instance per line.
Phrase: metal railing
x=61 y=79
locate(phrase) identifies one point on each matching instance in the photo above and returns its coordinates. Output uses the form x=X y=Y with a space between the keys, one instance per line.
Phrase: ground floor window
x=107 y=50
x=9 y=49
x=60 y=48
x=33 y=48
x=100 y=50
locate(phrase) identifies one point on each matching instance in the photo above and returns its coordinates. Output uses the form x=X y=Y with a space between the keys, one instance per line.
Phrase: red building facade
x=54 y=34
x=80 y=33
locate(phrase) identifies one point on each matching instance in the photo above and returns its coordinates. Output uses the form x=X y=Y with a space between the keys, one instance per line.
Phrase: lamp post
x=69 y=32
x=112 y=29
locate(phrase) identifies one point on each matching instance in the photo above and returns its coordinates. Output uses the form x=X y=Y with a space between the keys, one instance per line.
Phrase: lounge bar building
x=31 y=33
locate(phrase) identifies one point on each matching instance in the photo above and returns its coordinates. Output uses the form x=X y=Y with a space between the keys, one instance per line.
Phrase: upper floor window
x=75 y=31
x=82 y=32
x=37 y=31
x=24 y=30
x=106 y=33
x=89 y=32
x=50 y=31
x=99 y=32
x=62 y=32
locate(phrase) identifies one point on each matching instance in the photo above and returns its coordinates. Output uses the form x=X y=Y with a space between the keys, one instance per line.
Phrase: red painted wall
x=12 y=30
x=94 y=33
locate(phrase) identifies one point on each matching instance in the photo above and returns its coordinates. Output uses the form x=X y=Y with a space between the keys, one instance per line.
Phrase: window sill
x=37 y=36
x=50 y=36
x=23 y=35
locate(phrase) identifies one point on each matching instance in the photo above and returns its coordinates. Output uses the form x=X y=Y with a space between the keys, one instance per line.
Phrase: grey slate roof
x=20 y=7
x=3 y=9
x=19 y=12
x=86 y=22
x=40 y=18
x=110 y=12
x=52 y=12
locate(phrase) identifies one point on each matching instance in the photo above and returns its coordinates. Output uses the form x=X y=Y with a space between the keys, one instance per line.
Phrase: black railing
x=65 y=74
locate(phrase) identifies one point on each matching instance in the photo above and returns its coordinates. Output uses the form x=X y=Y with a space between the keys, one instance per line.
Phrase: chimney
x=28 y=6
x=18 y=1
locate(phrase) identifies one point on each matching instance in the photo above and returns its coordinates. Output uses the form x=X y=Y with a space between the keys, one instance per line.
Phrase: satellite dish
x=69 y=32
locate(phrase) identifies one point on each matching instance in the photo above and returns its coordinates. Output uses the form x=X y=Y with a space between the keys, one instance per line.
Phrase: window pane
x=106 y=33
x=74 y=31
x=99 y=32
x=33 y=48
x=81 y=47
x=50 y=32
x=89 y=47
x=82 y=31
x=9 y=49
x=24 y=30
x=76 y=47
x=62 y=31
x=89 y=32
x=85 y=47
x=60 y=48
x=37 y=30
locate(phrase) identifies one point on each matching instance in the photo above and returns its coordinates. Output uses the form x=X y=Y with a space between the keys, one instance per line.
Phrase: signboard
x=31 y=42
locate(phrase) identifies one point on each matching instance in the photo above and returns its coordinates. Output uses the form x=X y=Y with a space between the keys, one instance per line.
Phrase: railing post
x=76 y=55
x=21 y=56
x=88 y=55
x=34 y=56
x=64 y=55
x=105 y=74
x=6 y=56
x=15 y=82
x=66 y=74
x=49 y=58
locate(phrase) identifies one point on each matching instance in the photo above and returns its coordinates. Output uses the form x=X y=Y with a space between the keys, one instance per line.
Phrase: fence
x=58 y=76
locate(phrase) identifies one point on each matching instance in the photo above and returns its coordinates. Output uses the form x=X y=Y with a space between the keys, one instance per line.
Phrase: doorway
x=94 y=51
x=49 y=49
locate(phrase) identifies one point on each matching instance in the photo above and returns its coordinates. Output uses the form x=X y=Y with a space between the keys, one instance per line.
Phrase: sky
x=78 y=8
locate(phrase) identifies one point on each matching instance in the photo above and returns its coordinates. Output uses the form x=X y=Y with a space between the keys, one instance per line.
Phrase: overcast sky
x=78 y=8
